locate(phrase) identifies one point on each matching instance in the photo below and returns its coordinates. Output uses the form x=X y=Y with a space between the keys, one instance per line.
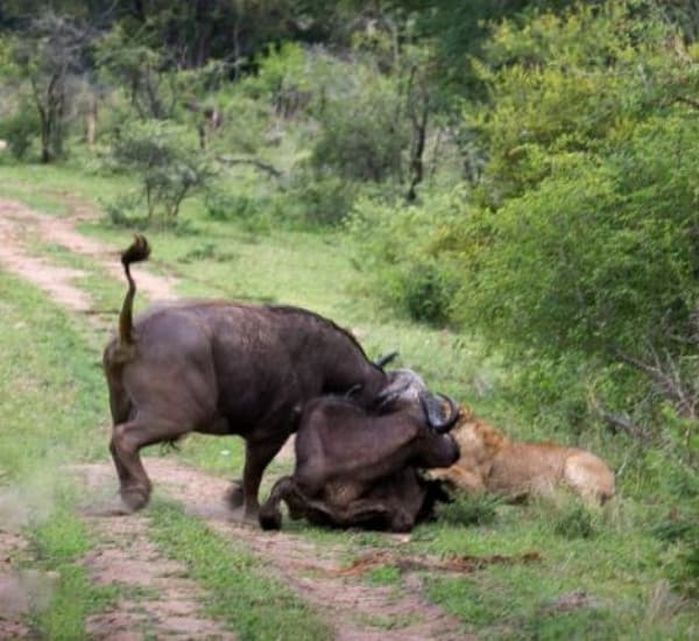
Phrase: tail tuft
x=138 y=250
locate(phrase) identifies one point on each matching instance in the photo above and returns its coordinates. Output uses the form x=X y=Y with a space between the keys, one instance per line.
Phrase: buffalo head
x=405 y=387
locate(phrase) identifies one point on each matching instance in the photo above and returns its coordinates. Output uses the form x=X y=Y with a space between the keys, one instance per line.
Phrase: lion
x=490 y=462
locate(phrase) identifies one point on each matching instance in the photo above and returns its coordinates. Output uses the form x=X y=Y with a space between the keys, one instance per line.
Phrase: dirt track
x=124 y=554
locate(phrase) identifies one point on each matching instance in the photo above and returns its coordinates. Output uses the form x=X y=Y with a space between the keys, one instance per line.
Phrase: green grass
x=56 y=188
x=613 y=559
x=53 y=404
x=58 y=545
x=254 y=605
x=54 y=401
x=631 y=560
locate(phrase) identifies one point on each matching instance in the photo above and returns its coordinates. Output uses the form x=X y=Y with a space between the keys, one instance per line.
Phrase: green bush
x=426 y=292
x=683 y=569
x=167 y=161
x=20 y=130
x=253 y=211
x=319 y=198
x=123 y=211
x=405 y=251
x=680 y=532
x=362 y=135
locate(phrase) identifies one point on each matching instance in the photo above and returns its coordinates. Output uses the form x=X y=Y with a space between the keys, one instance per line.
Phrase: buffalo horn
x=435 y=421
x=384 y=360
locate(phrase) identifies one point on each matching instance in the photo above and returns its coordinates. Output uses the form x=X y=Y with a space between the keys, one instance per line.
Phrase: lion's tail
x=138 y=250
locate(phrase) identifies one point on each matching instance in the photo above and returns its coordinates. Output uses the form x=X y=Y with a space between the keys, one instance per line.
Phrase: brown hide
x=354 y=468
x=222 y=368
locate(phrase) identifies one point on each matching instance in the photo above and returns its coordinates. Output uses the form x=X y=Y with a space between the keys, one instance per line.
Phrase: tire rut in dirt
x=157 y=600
x=18 y=224
x=356 y=611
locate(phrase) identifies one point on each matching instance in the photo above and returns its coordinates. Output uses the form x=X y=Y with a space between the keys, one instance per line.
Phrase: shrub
x=253 y=211
x=362 y=136
x=680 y=532
x=123 y=211
x=167 y=161
x=320 y=198
x=20 y=130
x=683 y=569
x=426 y=292
x=406 y=252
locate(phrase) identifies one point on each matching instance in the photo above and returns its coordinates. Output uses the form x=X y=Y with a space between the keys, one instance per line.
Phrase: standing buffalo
x=224 y=368
x=357 y=468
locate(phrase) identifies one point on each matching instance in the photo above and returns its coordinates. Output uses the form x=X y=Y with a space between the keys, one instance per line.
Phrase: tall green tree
x=50 y=57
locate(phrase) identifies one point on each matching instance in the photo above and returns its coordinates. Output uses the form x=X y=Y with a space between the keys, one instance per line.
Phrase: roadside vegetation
x=504 y=192
x=51 y=414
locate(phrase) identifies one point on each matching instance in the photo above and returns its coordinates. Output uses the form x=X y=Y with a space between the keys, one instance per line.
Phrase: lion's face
x=478 y=441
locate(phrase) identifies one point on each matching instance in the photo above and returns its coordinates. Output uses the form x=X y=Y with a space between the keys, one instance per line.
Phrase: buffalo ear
x=354 y=390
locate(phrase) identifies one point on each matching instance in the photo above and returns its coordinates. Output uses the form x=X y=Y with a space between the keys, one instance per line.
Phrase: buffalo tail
x=138 y=250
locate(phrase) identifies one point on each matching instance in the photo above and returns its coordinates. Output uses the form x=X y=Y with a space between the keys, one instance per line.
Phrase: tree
x=168 y=162
x=51 y=57
x=582 y=246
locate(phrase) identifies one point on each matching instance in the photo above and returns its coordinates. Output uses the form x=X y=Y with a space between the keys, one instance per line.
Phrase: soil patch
x=158 y=600
x=356 y=610
x=56 y=281
x=18 y=224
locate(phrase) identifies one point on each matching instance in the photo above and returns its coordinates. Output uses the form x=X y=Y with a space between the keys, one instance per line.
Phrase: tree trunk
x=91 y=121
x=419 y=122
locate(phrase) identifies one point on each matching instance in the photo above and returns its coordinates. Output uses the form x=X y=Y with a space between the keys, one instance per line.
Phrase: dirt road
x=123 y=553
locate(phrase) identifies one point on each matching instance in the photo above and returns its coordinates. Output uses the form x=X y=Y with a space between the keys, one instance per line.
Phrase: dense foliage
x=522 y=171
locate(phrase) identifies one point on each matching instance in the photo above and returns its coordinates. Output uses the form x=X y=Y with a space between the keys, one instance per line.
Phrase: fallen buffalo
x=356 y=468
x=225 y=368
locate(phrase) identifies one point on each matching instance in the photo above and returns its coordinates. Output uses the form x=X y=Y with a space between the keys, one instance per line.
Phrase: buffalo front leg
x=258 y=455
x=127 y=439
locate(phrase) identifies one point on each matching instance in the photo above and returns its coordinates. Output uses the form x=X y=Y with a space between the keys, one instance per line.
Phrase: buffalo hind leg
x=127 y=439
x=270 y=516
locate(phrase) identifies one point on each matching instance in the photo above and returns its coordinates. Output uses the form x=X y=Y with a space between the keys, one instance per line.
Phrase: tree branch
x=258 y=164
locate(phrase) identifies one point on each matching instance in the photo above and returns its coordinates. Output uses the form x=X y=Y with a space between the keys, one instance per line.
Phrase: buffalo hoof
x=134 y=499
x=234 y=496
x=270 y=519
x=114 y=507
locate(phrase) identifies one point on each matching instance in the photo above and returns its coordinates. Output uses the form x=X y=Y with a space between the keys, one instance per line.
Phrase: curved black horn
x=384 y=360
x=434 y=419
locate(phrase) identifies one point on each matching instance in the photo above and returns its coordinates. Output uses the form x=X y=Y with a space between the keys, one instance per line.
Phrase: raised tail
x=138 y=250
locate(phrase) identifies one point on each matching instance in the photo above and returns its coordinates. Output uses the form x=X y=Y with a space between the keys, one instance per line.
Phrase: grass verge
x=254 y=605
x=58 y=544
x=600 y=576
x=52 y=403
